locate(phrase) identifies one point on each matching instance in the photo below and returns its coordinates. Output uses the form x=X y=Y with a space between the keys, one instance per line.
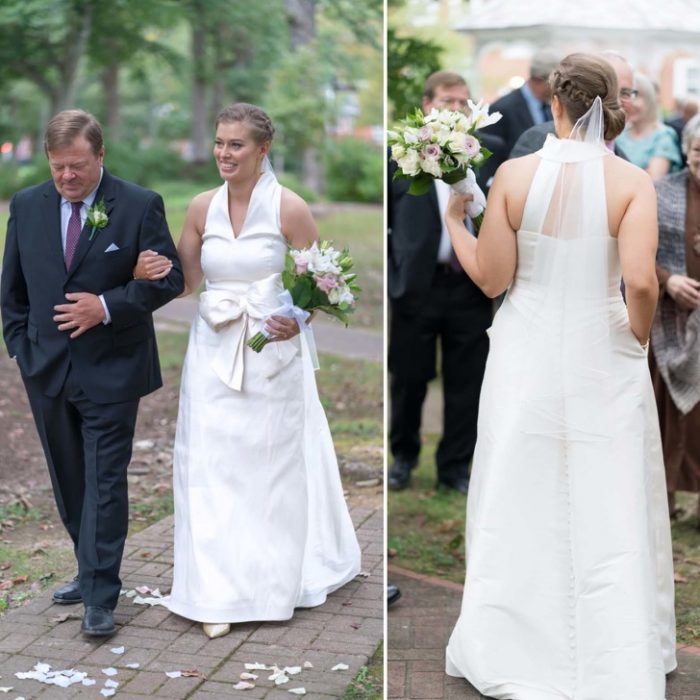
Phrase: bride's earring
x=216 y=629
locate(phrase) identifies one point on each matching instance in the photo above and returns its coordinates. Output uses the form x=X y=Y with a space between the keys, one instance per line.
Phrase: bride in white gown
x=569 y=584
x=261 y=524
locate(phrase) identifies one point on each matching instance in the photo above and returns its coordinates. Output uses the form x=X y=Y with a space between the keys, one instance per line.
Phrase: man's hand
x=83 y=313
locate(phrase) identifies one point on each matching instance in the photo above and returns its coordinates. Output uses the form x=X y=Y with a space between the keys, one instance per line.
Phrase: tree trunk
x=312 y=170
x=200 y=122
x=76 y=49
x=302 y=21
x=110 y=87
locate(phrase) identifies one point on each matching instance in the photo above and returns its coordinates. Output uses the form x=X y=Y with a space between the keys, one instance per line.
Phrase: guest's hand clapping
x=685 y=291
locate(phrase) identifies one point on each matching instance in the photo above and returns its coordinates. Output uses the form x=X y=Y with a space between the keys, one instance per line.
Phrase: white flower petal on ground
x=133 y=665
x=292 y=670
x=173 y=674
x=89 y=681
x=107 y=692
x=111 y=684
x=139 y=600
x=340 y=667
x=281 y=679
x=298 y=691
x=6 y=690
x=308 y=664
x=110 y=671
x=117 y=650
x=42 y=668
x=257 y=667
x=130 y=594
x=364 y=574
x=243 y=685
x=248 y=677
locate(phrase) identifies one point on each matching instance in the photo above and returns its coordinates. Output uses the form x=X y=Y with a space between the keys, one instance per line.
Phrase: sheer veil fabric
x=569 y=585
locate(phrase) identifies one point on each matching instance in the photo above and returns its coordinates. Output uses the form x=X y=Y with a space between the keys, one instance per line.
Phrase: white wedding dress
x=569 y=584
x=261 y=524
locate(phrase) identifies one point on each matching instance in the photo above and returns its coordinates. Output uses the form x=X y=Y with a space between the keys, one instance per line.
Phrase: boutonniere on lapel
x=97 y=217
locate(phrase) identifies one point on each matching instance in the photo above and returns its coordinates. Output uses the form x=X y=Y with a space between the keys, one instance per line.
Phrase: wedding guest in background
x=533 y=139
x=432 y=301
x=528 y=105
x=675 y=338
x=646 y=141
x=686 y=109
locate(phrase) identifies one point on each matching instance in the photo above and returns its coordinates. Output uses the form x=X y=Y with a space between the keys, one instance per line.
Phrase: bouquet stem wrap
x=288 y=310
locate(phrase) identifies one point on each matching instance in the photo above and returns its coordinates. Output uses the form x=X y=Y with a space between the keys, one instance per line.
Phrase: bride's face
x=238 y=156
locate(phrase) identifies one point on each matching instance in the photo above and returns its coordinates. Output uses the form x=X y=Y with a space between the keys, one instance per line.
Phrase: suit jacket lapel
x=105 y=190
x=51 y=212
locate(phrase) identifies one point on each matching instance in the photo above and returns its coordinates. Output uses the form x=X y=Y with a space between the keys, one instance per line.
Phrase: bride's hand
x=281 y=328
x=456 y=206
x=151 y=266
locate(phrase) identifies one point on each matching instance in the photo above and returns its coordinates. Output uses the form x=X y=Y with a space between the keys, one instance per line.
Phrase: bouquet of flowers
x=317 y=277
x=443 y=146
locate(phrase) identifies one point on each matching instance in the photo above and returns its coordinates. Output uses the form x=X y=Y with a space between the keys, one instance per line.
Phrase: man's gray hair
x=691 y=131
x=543 y=63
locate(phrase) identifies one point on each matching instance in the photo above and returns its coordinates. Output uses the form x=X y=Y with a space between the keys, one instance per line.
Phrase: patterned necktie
x=73 y=233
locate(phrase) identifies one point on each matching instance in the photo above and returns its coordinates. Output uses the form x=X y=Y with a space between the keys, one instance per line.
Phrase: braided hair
x=253 y=117
x=578 y=80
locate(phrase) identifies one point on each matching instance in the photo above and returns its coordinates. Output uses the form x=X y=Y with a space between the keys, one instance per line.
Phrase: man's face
x=540 y=88
x=454 y=97
x=75 y=169
x=625 y=84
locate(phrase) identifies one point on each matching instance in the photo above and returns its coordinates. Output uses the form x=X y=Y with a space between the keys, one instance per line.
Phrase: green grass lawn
x=359 y=227
x=426 y=534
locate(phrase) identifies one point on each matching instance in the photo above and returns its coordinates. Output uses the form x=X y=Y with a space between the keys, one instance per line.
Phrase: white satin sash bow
x=229 y=314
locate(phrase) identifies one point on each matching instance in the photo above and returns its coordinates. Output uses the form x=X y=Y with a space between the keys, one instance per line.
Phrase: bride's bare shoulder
x=517 y=170
x=625 y=178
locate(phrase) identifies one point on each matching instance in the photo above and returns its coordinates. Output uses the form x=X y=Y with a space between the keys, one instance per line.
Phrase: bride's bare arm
x=637 y=241
x=297 y=223
x=489 y=260
x=189 y=248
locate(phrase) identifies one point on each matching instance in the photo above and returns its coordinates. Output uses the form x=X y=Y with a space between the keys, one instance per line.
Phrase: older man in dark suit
x=80 y=327
x=433 y=300
x=528 y=105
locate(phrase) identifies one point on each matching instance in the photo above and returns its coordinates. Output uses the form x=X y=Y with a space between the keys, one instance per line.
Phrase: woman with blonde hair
x=646 y=141
x=261 y=524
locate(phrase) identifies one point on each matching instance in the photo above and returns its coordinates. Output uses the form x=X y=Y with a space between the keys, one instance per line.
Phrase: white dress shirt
x=66 y=211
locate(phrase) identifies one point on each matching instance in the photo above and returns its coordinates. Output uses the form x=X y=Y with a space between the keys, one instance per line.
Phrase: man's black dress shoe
x=400 y=474
x=68 y=594
x=392 y=594
x=97 y=622
x=459 y=484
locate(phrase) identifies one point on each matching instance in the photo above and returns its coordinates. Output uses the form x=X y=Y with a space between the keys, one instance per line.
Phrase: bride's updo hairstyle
x=253 y=117
x=578 y=80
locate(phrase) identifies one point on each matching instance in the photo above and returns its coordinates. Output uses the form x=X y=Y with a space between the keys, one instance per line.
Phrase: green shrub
x=292 y=182
x=354 y=171
x=15 y=177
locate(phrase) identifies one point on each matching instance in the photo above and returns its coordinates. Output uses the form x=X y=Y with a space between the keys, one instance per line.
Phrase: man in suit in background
x=81 y=331
x=533 y=139
x=528 y=105
x=432 y=300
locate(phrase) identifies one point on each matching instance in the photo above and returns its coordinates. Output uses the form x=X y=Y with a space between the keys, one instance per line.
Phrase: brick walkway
x=420 y=624
x=346 y=629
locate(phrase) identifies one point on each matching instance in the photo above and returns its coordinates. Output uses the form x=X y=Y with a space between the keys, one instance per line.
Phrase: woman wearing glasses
x=647 y=142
